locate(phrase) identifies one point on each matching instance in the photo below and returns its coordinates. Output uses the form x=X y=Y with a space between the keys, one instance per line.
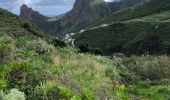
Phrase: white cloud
x=46 y=7
x=109 y=0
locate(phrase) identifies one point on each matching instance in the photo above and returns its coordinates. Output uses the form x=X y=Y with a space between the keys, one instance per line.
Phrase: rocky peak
x=26 y=12
x=34 y=16
x=83 y=13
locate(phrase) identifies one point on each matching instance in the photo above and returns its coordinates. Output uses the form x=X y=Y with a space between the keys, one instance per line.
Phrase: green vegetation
x=34 y=66
x=38 y=66
x=152 y=92
x=143 y=9
x=130 y=37
x=146 y=77
x=143 y=30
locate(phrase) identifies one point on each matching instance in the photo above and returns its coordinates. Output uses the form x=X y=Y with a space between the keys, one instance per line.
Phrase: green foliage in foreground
x=34 y=68
x=42 y=71
x=14 y=94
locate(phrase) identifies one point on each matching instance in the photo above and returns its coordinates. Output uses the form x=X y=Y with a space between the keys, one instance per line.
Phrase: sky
x=45 y=7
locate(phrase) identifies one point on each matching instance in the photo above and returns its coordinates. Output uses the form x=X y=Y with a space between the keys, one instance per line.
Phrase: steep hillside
x=137 y=36
x=43 y=70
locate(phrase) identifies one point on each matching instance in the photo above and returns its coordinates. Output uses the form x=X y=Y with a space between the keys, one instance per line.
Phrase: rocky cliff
x=34 y=16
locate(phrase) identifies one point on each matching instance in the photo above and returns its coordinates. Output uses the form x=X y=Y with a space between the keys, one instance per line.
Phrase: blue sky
x=46 y=7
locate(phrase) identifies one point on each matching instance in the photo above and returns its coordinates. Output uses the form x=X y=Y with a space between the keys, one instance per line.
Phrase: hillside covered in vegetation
x=137 y=30
x=37 y=66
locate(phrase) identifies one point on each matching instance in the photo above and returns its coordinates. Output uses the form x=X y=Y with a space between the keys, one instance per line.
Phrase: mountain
x=137 y=30
x=40 y=20
x=37 y=66
x=84 y=13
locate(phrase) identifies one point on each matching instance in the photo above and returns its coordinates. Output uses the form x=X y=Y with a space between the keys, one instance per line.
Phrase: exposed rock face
x=83 y=13
x=37 y=18
x=26 y=12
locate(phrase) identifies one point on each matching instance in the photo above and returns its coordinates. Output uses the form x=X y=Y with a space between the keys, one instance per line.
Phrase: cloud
x=46 y=7
x=109 y=0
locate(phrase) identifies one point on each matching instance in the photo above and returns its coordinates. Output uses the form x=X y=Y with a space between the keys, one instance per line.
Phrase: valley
x=103 y=51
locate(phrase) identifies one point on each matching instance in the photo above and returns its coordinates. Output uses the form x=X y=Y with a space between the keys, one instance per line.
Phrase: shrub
x=85 y=48
x=87 y=94
x=14 y=94
x=164 y=90
x=24 y=75
x=66 y=93
x=47 y=91
x=33 y=29
x=6 y=48
x=112 y=72
x=58 y=43
x=17 y=73
x=40 y=46
x=153 y=68
x=142 y=68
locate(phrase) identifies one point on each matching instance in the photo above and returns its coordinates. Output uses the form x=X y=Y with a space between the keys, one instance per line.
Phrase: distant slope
x=140 y=10
x=141 y=35
x=43 y=22
x=14 y=25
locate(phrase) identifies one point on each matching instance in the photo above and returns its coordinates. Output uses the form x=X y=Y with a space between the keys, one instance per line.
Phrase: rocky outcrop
x=34 y=16
x=83 y=13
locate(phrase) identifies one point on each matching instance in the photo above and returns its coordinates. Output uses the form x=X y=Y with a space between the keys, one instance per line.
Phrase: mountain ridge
x=84 y=13
x=123 y=33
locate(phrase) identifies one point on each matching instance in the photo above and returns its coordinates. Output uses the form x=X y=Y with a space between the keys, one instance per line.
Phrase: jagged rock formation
x=83 y=13
x=34 y=16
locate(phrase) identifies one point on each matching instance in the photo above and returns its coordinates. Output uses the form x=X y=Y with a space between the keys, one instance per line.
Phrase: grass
x=34 y=68
x=151 y=93
x=41 y=70
x=160 y=17
x=84 y=71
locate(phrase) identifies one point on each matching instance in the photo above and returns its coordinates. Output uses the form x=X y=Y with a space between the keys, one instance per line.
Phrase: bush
x=153 y=68
x=6 y=48
x=112 y=72
x=66 y=93
x=164 y=90
x=58 y=43
x=14 y=94
x=40 y=46
x=85 y=48
x=87 y=94
x=47 y=91
x=24 y=75
x=17 y=73
x=33 y=29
